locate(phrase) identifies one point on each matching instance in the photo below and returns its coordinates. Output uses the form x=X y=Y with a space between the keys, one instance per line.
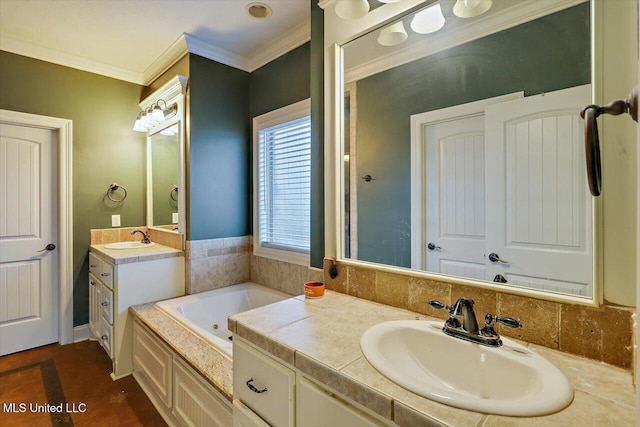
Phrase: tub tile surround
x=603 y=333
x=104 y=236
x=325 y=346
x=217 y=263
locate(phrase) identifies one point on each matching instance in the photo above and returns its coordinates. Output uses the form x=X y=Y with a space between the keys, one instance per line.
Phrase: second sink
x=509 y=380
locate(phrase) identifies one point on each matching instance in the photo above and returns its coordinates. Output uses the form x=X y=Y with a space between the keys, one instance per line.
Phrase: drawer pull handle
x=104 y=303
x=104 y=337
x=105 y=274
x=93 y=283
x=253 y=388
x=92 y=266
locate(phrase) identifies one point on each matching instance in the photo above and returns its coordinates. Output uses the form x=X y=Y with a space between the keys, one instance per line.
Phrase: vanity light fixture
x=352 y=9
x=393 y=34
x=154 y=115
x=389 y=1
x=259 y=10
x=429 y=20
x=471 y=8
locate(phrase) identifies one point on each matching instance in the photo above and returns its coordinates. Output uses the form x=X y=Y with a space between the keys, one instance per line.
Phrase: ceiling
x=136 y=40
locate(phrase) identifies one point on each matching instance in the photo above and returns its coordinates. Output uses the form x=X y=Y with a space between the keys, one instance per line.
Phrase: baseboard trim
x=81 y=333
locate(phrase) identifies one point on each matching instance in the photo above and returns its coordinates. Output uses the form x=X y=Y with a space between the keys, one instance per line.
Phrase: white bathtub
x=206 y=313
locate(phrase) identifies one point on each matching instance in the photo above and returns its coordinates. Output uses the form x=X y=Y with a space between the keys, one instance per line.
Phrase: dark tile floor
x=75 y=378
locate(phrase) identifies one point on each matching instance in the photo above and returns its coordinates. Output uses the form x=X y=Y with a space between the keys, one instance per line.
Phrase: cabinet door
x=196 y=403
x=264 y=385
x=245 y=417
x=95 y=296
x=152 y=360
x=317 y=408
x=106 y=339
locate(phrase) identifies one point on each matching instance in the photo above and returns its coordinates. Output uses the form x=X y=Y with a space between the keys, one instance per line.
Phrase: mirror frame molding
x=174 y=91
x=336 y=34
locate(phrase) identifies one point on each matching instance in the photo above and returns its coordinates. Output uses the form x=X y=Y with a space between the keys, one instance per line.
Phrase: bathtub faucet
x=145 y=236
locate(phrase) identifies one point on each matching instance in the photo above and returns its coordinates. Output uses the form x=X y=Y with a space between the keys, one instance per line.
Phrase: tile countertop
x=126 y=256
x=321 y=338
x=215 y=367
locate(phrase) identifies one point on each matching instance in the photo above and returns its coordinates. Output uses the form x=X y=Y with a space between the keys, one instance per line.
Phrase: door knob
x=49 y=247
x=433 y=247
x=494 y=257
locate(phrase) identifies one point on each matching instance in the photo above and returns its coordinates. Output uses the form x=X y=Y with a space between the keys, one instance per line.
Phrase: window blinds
x=284 y=170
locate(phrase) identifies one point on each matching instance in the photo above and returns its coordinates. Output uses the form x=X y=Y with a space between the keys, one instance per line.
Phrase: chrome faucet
x=145 y=236
x=462 y=323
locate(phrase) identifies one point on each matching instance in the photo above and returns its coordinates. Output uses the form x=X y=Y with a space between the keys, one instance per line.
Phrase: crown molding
x=484 y=26
x=290 y=40
x=61 y=58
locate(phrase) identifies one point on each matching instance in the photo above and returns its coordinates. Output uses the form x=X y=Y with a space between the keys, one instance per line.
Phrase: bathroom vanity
x=120 y=278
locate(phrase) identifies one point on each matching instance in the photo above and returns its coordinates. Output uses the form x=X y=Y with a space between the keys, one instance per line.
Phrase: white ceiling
x=135 y=40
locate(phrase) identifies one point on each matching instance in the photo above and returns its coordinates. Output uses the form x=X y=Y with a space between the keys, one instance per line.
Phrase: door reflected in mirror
x=464 y=155
x=164 y=146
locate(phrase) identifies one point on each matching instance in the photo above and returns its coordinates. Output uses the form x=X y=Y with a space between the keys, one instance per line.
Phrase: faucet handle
x=509 y=321
x=439 y=305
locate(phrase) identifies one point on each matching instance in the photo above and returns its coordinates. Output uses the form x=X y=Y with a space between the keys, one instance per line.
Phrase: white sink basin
x=128 y=245
x=509 y=380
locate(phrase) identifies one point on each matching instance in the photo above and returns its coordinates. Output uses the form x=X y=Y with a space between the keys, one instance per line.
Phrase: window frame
x=273 y=118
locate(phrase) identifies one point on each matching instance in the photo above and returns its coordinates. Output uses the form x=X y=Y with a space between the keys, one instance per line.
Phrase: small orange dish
x=313 y=289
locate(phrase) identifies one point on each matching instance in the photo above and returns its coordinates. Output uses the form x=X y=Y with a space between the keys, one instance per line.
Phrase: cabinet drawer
x=195 y=403
x=264 y=385
x=152 y=360
x=101 y=269
x=106 y=304
x=106 y=274
x=106 y=337
x=95 y=264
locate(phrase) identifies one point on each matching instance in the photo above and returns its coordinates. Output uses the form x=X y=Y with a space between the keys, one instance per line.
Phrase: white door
x=28 y=271
x=538 y=205
x=455 y=210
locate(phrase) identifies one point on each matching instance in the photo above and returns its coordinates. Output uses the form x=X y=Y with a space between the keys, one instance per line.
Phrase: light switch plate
x=115 y=220
x=174 y=217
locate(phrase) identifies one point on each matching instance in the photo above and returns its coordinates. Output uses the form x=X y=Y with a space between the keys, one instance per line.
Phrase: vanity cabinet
x=268 y=392
x=181 y=395
x=113 y=288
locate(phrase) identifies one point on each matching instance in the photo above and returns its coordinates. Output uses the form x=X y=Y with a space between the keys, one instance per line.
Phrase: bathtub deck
x=215 y=367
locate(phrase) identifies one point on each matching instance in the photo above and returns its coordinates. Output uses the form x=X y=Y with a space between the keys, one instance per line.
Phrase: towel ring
x=174 y=189
x=591 y=139
x=112 y=189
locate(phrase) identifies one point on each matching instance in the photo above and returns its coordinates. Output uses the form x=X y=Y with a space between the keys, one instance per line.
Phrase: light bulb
x=471 y=8
x=393 y=34
x=157 y=114
x=352 y=9
x=428 y=20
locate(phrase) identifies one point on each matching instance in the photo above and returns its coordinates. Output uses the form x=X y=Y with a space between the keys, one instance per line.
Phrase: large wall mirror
x=462 y=146
x=165 y=159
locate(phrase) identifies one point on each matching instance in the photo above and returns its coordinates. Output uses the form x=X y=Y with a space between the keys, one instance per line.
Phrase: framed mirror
x=461 y=147
x=165 y=159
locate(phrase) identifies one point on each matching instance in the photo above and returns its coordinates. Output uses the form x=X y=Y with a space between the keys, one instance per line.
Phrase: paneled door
x=455 y=197
x=28 y=234
x=538 y=215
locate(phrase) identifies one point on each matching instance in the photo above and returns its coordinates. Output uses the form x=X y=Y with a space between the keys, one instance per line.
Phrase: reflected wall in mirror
x=464 y=155
x=164 y=176
x=166 y=160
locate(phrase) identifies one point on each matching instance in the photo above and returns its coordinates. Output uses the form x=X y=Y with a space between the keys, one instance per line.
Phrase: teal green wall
x=317 y=134
x=105 y=148
x=218 y=152
x=281 y=82
x=513 y=60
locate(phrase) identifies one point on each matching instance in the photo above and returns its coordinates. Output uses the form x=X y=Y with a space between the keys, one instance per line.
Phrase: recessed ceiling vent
x=259 y=10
